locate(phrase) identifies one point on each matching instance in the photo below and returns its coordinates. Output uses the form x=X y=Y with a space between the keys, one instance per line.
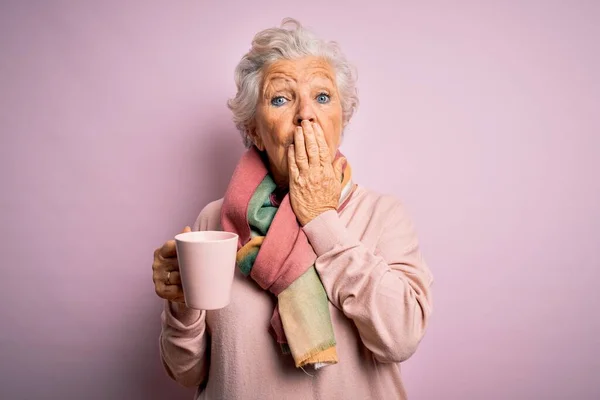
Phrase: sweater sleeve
x=184 y=340
x=386 y=292
x=184 y=343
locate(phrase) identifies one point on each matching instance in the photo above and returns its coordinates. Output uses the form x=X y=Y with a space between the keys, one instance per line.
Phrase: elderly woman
x=331 y=293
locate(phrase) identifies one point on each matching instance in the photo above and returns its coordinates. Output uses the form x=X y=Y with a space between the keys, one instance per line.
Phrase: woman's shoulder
x=209 y=218
x=385 y=210
x=376 y=201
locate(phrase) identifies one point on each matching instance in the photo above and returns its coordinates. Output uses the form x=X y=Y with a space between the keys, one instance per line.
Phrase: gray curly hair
x=275 y=44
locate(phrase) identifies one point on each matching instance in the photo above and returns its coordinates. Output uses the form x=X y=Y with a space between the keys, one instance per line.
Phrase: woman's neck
x=282 y=181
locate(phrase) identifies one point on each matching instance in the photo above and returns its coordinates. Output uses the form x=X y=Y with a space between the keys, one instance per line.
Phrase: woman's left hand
x=315 y=181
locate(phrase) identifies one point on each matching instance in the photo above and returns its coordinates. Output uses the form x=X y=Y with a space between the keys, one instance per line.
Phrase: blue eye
x=323 y=98
x=278 y=101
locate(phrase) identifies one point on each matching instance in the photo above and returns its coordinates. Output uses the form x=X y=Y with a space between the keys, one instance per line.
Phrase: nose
x=305 y=111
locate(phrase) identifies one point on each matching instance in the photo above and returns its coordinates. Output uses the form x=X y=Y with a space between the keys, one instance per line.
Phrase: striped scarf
x=274 y=251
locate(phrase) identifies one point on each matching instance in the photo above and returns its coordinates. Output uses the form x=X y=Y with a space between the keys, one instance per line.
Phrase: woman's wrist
x=183 y=313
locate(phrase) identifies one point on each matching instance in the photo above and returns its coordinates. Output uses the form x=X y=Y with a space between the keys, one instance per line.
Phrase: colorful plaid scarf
x=274 y=251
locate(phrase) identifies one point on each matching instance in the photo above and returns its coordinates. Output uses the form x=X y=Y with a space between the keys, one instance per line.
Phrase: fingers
x=339 y=168
x=165 y=272
x=324 y=155
x=300 y=149
x=173 y=278
x=310 y=142
x=168 y=249
x=161 y=270
x=161 y=265
x=169 y=292
x=292 y=166
x=167 y=284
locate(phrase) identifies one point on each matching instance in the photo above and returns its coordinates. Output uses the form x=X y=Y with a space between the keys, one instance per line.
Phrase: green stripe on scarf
x=260 y=215
x=260 y=210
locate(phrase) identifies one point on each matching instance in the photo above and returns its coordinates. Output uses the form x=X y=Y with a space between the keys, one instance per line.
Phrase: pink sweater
x=379 y=291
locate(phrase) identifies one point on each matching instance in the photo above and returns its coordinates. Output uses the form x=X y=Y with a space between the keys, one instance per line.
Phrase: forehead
x=299 y=70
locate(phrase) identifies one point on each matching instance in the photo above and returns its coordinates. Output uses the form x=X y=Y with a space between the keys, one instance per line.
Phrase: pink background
x=482 y=116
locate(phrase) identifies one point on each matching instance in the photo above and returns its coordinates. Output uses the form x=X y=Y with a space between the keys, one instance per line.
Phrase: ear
x=252 y=132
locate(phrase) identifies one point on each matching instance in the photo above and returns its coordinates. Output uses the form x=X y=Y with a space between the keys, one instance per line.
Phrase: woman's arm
x=386 y=292
x=184 y=343
x=184 y=340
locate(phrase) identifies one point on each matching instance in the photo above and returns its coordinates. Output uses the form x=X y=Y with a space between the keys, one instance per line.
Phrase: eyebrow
x=268 y=85
x=275 y=77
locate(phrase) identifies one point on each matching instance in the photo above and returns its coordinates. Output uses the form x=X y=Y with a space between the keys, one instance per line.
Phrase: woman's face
x=292 y=91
